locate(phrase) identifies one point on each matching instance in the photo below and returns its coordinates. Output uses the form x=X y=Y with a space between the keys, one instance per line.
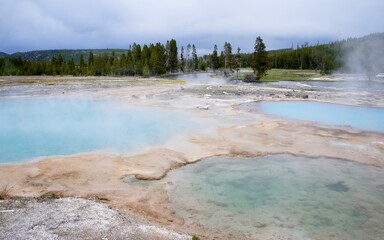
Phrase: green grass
x=290 y=75
x=274 y=75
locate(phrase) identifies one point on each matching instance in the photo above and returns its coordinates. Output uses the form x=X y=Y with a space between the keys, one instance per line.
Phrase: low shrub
x=4 y=192
x=250 y=78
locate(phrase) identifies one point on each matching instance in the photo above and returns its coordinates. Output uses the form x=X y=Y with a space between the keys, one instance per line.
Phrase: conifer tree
x=136 y=58
x=182 y=60
x=71 y=67
x=173 y=55
x=195 y=62
x=167 y=60
x=91 y=59
x=238 y=60
x=215 y=59
x=188 y=58
x=129 y=67
x=82 y=65
x=260 y=59
x=145 y=58
x=158 y=59
x=228 y=55
x=221 y=59
x=116 y=67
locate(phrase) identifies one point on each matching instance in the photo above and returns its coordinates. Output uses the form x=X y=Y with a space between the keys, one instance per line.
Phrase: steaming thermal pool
x=365 y=118
x=291 y=196
x=32 y=128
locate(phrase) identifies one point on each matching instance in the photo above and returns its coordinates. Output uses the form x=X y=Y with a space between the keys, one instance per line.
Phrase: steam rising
x=365 y=56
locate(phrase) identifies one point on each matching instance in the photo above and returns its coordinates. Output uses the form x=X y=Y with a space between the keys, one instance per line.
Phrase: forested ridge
x=364 y=54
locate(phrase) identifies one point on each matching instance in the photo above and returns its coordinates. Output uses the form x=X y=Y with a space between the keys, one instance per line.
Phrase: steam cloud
x=365 y=55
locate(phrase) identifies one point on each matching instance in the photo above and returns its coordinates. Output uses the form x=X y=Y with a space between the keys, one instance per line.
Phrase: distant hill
x=46 y=55
x=2 y=55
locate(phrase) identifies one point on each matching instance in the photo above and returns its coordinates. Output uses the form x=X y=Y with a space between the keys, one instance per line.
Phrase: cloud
x=45 y=24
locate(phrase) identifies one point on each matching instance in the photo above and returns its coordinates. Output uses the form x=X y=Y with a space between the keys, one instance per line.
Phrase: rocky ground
x=74 y=218
x=131 y=211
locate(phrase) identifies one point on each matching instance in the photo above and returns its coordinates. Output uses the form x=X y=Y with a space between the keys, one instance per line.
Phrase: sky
x=27 y=25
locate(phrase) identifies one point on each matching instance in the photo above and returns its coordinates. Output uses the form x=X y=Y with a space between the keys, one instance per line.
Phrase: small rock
x=203 y=107
x=260 y=225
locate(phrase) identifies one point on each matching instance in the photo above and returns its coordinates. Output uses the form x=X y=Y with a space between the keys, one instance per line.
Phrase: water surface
x=282 y=195
x=360 y=117
x=341 y=85
x=32 y=128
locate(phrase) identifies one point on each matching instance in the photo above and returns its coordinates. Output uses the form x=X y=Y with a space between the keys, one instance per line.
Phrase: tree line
x=325 y=58
x=353 y=55
x=155 y=59
x=146 y=60
x=158 y=59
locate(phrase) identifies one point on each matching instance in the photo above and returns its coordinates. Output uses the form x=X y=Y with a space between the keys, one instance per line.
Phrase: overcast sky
x=27 y=25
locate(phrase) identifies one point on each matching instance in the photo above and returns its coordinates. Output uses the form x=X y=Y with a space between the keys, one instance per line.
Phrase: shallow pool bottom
x=282 y=195
x=40 y=127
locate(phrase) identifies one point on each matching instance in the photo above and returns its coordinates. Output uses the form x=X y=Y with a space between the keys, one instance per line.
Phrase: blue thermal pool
x=31 y=128
x=364 y=118
x=281 y=195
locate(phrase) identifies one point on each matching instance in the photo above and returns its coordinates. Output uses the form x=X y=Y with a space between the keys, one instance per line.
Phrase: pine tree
x=260 y=59
x=136 y=58
x=238 y=60
x=123 y=65
x=228 y=55
x=91 y=59
x=82 y=65
x=188 y=61
x=145 y=58
x=182 y=60
x=215 y=59
x=116 y=67
x=172 y=55
x=158 y=59
x=130 y=66
x=195 y=62
x=221 y=59
x=72 y=67
x=167 y=60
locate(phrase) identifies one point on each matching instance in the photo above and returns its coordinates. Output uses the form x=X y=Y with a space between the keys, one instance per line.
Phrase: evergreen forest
x=363 y=54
